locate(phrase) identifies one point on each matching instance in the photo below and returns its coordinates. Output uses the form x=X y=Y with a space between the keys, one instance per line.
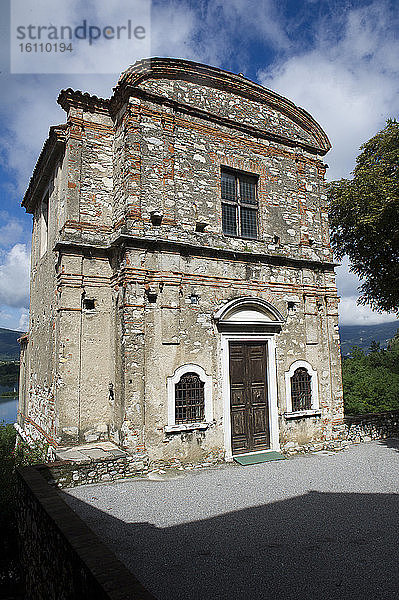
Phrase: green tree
x=364 y=219
x=371 y=381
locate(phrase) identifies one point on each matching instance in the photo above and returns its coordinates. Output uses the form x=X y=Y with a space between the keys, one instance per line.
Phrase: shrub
x=371 y=381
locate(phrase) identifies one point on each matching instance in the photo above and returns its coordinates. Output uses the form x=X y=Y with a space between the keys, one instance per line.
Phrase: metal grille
x=248 y=190
x=248 y=223
x=228 y=187
x=301 y=391
x=229 y=219
x=189 y=399
x=239 y=205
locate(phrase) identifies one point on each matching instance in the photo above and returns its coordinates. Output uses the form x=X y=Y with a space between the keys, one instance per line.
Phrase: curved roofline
x=187 y=70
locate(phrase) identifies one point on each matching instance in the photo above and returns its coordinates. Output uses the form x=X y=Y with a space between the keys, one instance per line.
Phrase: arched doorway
x=248 y=327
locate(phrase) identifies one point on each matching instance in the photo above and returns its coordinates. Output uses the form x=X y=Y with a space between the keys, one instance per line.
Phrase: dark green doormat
x=258 y=457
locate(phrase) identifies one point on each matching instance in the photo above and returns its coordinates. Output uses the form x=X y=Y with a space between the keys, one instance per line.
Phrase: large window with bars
x=239 y=204
x=301 y=390
x=189 y=399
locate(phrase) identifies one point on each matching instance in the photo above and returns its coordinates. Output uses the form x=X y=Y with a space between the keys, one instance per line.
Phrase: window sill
x=185 y=427
x=242 y=237
x=302 y=413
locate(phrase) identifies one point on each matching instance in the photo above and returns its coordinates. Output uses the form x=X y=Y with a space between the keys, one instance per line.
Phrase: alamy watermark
x=54 y=36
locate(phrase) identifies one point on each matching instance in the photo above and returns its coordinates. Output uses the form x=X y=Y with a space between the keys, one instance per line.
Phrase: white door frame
x=271 y=386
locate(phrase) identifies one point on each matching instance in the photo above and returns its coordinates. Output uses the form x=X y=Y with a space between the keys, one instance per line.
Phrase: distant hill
x=351 y=335
x=9 y=347
x=363 y=335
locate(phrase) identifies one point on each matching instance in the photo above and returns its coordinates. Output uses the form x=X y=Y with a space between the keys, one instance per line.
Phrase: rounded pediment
x=219 y=79
x=248 y=312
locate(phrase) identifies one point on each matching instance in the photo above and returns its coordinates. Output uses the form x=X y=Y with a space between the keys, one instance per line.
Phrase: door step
x=258 y=457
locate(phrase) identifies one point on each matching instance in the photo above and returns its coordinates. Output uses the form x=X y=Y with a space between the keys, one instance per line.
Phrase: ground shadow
x=390 y=443
x=318 y=545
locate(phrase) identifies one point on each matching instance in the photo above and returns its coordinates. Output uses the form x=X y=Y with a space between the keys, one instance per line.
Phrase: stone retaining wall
x=62 y=559
x=363 y=428
x=70 y=474
x=353 y=428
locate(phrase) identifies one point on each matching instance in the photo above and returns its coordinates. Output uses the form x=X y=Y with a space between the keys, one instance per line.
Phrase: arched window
x=301 y=391
x=189 y=399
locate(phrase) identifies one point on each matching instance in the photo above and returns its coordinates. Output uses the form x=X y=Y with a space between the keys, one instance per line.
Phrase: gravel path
x=321 y=526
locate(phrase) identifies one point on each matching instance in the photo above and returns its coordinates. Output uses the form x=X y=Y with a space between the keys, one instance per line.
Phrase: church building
x=183 y=296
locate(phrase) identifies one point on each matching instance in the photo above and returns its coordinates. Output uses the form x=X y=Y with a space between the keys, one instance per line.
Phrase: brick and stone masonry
x=143 y=285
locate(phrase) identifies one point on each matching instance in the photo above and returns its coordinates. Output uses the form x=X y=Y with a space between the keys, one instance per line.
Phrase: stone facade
x=135 y=282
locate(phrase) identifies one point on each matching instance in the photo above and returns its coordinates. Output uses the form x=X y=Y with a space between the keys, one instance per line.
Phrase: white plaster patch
x=153 y=140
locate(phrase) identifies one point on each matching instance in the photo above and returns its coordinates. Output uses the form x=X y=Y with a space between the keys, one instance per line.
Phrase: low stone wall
x=70 y=474
x=363 y=428
x=62 y=559
x=353 y=428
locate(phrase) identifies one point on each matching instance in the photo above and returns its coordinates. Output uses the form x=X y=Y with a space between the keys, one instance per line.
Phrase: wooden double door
x=248 y=397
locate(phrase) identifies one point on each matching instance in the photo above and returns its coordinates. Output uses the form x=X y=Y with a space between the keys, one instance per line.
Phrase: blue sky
x=337 y=59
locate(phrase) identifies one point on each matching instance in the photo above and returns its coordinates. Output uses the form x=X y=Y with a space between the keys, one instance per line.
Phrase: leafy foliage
x=371 y=381
x=364 y=219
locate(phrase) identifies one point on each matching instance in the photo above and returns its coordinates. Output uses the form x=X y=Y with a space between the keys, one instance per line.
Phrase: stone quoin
x=183 y=297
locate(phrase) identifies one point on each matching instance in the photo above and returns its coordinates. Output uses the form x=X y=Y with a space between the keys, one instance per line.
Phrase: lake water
x=8 y=406
x=8 y=409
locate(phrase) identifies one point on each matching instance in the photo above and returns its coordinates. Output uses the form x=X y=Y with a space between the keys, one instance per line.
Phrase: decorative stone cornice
x=189 y=249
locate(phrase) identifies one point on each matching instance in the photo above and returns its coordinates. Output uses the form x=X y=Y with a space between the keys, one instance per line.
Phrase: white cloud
x=14 y=277
x=348 y=81
x=28 y=103
x=11 y=232
x=29 y=108
x=23 y=322
x=350 y=313
x=5 y=319
x=14 y=318
x=347 y=282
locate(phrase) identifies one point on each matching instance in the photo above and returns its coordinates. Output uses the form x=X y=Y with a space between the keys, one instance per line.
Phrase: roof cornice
x=75 y=98
x=52 y=149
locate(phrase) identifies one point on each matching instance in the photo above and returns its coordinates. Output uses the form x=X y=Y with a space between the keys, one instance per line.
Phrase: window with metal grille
x=239 y=204
x=301 y=390
x=189 y=399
